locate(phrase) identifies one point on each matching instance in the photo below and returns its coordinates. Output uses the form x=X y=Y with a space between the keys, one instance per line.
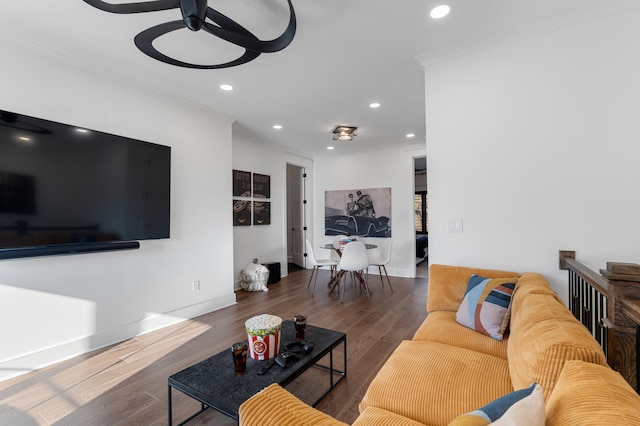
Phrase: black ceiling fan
x=194 y=17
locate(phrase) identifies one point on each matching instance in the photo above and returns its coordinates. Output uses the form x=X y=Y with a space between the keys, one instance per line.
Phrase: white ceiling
x=346 y=54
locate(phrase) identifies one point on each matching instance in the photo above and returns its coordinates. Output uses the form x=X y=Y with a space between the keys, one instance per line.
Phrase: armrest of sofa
x=591 y=394
x=544 y=337
x=275 y=406
x=447 y=284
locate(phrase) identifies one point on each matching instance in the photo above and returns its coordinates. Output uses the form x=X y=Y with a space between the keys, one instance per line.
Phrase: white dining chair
x=381 y=258
x=317 y=264
x=354 y=259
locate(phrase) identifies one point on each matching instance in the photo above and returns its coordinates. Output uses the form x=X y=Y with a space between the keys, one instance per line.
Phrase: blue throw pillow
x=524 y=407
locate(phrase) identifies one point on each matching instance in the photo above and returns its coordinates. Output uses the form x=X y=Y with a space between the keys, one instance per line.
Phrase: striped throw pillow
x=486 y=305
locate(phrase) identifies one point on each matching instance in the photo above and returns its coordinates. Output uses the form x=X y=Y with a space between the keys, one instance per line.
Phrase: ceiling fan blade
x=194 y=12
x=233 y=32
x=137 y=7
x=144 y=42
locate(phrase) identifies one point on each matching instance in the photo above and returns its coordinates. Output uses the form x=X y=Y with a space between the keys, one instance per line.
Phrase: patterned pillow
x=486 y=305
x=524 y=407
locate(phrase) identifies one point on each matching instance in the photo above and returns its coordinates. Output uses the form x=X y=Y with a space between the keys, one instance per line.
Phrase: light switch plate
x=455 y=225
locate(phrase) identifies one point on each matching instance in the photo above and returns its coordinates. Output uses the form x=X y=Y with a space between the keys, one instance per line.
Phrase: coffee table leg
x=344 y=371
x=332 y=370
x=331 y=385
x=170 y=415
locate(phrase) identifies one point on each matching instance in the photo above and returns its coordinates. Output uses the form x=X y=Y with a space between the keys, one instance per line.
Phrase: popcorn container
x=263 y=333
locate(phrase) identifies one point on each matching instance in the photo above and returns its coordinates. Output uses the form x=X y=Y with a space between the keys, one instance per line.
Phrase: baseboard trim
x=17 y=366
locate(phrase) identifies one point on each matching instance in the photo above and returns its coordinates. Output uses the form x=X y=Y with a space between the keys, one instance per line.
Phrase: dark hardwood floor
x=126 y=384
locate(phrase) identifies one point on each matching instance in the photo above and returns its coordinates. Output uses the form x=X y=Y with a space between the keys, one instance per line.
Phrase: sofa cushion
x=448 y=284
x=544 y=335
x=486 y=305
x=374 y=416
x=441 y=326
x=588 y=395
x=524 y=407
x=433 y=383
x=276 y=406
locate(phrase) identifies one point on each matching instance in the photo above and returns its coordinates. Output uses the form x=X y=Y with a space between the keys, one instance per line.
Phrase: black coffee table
x=213 y=383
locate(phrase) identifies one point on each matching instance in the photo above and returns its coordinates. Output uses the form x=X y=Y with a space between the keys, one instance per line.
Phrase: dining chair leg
x=342 y=288
x=387 y=275
x=364 y=279
x=380 y=268
x=358 y=280
x=311 y=277
x=361 y=278
x=366 y=283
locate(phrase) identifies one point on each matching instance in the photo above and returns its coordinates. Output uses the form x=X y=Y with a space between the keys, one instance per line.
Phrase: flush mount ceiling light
x=440 y=11
x=344 y=133
x=194 y=15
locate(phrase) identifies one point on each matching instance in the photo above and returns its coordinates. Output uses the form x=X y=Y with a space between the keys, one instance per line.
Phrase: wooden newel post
x=623 y=318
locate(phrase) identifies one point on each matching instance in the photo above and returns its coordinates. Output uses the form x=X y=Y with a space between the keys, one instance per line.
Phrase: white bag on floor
x=254 y=277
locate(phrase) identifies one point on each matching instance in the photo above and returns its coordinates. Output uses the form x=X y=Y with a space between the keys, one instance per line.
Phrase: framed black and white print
x=359 y=211
x=261 y=186
x=241 y=183
x=261 y=213
x=241 y=213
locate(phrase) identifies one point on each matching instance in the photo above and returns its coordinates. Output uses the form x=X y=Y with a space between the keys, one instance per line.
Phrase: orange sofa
x=448 y=373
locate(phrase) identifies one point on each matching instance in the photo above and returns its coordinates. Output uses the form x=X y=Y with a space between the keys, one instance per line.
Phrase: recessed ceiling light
x=277 y=126
x=226 y=87
x=374 y=105
x=24 y=139
x=80 y=130
x=329 y=148
x=411 y=135
x=440 y=11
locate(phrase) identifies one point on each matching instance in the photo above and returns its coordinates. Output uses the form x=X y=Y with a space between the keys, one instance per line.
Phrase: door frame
x=292 y=173
x=306 y=164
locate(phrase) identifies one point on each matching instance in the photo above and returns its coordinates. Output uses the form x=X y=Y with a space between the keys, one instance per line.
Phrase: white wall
x=267 y=243
x=52 y=308
x=534 y=144
x=391 y=168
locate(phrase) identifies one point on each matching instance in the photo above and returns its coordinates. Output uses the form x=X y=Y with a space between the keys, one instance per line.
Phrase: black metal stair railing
x=588 y=303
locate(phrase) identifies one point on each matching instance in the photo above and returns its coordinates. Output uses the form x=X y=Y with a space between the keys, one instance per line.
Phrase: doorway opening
x=420 y=203
x=296 y=217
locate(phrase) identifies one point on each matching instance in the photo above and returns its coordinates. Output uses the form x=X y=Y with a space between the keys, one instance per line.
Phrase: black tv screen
x=65 y=189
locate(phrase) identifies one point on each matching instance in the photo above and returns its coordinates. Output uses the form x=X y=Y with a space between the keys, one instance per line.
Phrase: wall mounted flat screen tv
x=65 y=189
